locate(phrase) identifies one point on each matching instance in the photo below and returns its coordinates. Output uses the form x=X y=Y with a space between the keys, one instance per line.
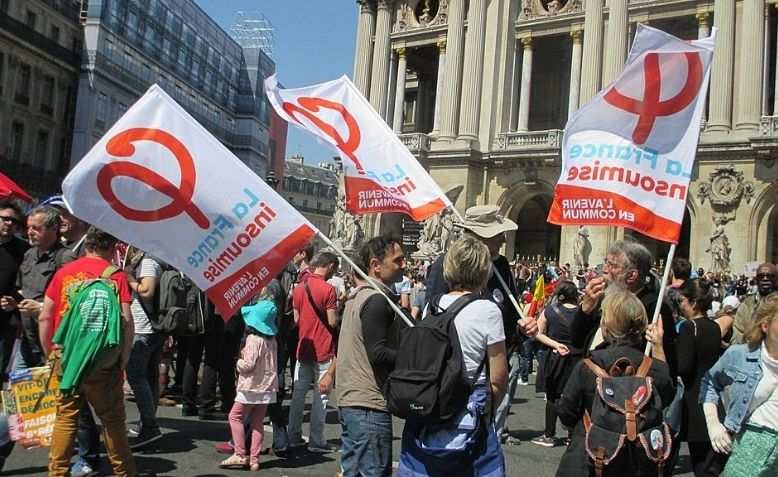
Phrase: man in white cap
x=487 y=224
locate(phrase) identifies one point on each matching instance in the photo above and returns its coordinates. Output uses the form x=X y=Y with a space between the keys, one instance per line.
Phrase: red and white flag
x=380 y=173
x=627 y=155
x=161 y=182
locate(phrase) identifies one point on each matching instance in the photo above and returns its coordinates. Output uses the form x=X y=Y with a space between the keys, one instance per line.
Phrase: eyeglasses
x=10 y=220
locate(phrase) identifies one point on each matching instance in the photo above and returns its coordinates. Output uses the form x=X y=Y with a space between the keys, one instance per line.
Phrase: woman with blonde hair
x=467 y=444
x=624 y=324
x=746 y=380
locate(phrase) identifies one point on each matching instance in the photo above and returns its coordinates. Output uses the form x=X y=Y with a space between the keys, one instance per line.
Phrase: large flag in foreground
x=380 y=174
x=627 y=155
x=158 y=180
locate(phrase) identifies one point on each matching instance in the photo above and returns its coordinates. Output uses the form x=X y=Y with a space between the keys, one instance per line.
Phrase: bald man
x=766 y=283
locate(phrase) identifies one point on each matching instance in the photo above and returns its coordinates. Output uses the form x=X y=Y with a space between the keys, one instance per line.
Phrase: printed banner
x=33 y=428
x=627 y=155
x=160 y=181
x=380 y=173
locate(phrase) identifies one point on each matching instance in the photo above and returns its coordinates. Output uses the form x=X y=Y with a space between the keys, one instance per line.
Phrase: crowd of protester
x=328 y=328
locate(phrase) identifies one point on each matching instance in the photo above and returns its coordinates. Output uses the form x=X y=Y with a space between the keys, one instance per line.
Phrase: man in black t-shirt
x=12 y=250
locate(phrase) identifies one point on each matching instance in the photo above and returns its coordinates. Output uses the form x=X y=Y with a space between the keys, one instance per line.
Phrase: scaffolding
x=254 y=30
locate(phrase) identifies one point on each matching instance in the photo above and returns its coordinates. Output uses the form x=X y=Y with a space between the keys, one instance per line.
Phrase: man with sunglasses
x=12 y=250
x=766 y=283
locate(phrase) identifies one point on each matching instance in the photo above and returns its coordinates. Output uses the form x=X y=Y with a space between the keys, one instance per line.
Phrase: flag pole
x=662 y=288
x=364 y=276
x=497 y=274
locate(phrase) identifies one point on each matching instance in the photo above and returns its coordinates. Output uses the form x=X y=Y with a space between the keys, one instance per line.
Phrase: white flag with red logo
x=160 y=181
x=627 y=155
x=380 y=173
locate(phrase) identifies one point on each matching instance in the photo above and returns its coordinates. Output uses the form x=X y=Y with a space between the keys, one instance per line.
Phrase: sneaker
x=133 y=432
x=323 y=449
x=523 y=382
x=544 y=441
x=297 y=444
x=81 y=469
x=254 y=467
x=144 y=438
x=166 y=401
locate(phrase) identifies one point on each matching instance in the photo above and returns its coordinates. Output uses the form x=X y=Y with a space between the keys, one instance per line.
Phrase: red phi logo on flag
x=651 y=106
x=121 y=145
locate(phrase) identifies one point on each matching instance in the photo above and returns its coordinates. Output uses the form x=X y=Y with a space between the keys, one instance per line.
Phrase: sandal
x=254 y=467
x=234 y=462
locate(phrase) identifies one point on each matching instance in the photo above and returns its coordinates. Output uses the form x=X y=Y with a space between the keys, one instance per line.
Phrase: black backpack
x=429 y=383
x=626 y=433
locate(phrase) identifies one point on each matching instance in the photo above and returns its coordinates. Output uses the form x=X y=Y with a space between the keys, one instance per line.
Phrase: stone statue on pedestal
x=582 y=247
x=719 y=248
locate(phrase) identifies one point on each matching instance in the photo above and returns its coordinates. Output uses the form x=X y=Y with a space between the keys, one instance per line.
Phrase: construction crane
x=253 y=30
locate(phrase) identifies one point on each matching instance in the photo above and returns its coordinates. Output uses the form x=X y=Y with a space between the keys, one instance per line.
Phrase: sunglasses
x=10 y=220
x=765 y=275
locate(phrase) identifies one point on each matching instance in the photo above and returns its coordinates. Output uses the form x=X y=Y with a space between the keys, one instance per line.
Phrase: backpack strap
x=645 y=366
x=109 y=270
x=598 y=371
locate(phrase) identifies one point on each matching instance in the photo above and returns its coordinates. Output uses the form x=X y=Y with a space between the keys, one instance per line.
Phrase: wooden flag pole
x=364 y=276
x=662 y=288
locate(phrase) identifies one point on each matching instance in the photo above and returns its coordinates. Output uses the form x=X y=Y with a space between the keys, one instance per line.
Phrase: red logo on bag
x=121 y=146
x=651 y=106
x=311 y=106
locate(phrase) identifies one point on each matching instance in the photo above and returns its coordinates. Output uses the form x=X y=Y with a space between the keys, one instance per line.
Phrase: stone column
x=364 y=49
x=441 y=44
x=775 y=104
x=575 y=73
x=379 y=82
x=449 y=112
x=399 y=95
x=592 y=51
x=392 y=89
x=474 y=65
x=766 y=61
x=720 y=116
x=749 y=95
x=526 y=84
x=616 y=44
x=703 y=31
x=513 y=119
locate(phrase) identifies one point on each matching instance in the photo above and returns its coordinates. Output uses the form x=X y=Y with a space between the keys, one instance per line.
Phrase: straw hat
x=486 y=221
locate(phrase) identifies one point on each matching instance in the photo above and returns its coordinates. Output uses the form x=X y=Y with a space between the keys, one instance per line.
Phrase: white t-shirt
x=764 y=404
x=339 y=284
x=148 y=268
x=479 y=325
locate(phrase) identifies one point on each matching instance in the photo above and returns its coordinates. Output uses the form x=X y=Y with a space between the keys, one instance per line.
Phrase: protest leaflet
x=627 y=155
x=32 y=426
x=160 y=181
x=380 y=173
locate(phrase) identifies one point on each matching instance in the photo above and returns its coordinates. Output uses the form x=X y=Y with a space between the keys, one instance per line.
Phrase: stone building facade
x=311 y=189
x=40 y=53
x=480 y=91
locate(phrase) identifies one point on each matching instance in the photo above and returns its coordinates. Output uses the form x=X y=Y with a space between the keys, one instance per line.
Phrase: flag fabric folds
x=627 y=155
x=160 y=181
x=380 y=173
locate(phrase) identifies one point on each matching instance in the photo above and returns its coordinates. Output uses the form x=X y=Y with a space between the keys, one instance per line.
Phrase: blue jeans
x=88 y=436
x=501 y=416
x=143 y=376
x=366 y=442
x=527 y=355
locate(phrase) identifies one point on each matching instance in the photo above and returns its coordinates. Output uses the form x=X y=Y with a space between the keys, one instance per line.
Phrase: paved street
x=187 y=448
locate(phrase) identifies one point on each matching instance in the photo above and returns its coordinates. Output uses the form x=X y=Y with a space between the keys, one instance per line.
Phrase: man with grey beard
x=627 y=266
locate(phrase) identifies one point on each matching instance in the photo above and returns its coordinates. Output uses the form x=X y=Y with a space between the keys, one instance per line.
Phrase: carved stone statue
x=338 y=222
x=438 y=231
x=354 y=234
x=582 y=247
x=719 y=249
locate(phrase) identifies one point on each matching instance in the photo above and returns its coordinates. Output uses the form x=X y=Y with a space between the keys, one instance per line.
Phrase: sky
x=314 y=42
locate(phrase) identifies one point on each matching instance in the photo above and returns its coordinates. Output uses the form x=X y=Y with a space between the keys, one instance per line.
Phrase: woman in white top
x=466 y=268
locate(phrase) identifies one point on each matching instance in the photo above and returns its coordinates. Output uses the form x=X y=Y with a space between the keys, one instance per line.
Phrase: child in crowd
x=257 y=382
